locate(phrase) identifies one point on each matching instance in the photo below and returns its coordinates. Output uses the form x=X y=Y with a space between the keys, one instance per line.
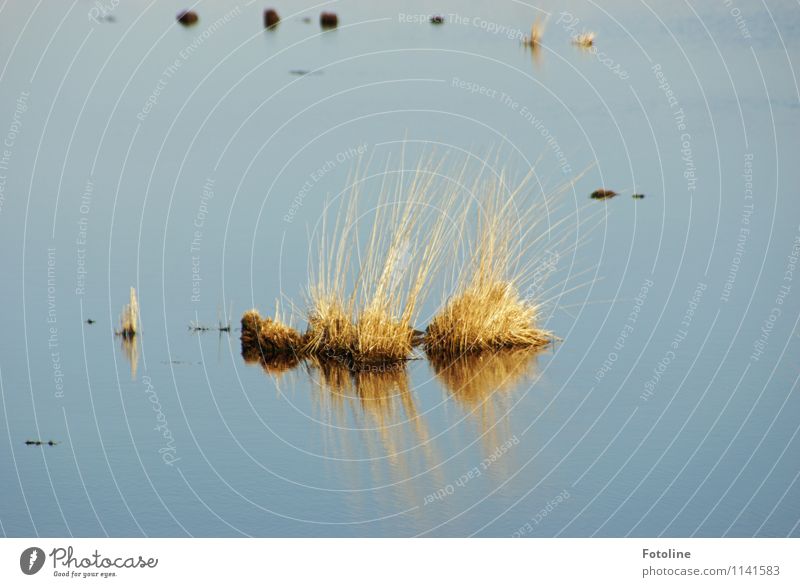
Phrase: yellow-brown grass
x=266 y=339
x=537 y=31
x=487 y=311
x=487 y=316
x=129 y=318
x=365 y=297
x=584 y=40
x=364 y=304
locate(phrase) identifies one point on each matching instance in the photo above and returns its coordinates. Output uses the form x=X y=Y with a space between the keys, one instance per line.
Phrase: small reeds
x=584 y=40
x=223 y=323
x=129 y=318
x=128 y=328
x=537 y=31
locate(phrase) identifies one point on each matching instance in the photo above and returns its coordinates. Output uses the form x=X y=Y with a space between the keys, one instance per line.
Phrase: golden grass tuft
x=364 y=304
x=487 y=316
x=331 y=331
x=367 y=286
x=487 y=311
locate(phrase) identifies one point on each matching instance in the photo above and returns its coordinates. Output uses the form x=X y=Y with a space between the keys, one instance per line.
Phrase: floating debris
x=603 y=194
x=306 y=19
x=271 y=18
x=223 y=323
x=437 y=19
x=41 y=443
x=584 y=40
x=328 y=20
x=304 y=72
x=187 y=17
x=638 y=196
x=90 y=321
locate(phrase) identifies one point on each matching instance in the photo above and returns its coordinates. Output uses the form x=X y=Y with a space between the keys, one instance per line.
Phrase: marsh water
x=195 y=163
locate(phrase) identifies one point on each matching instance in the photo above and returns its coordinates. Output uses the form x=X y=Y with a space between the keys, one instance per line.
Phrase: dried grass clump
x=266 y=339
x=487 y=311
x=331 y=331
x=369 y=284
x=488 y=316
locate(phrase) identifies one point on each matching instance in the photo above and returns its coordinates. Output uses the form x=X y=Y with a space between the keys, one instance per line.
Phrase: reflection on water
x=381 y=399
x=130 y=348
x=481 y=385
x=276 y=366
x=389 y=425
x=536 y=53
x=382 y=403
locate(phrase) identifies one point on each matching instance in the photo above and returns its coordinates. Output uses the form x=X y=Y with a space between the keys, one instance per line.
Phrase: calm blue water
x=194 y=165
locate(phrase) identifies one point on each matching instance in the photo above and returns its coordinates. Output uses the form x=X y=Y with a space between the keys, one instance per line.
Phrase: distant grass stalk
x=129 y=318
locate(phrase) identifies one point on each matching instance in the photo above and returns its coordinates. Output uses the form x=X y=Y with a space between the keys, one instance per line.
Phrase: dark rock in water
x=602 y=194
x=89 y=321
x=187 y=17
x=328 y=20
x=437 y=19
x=638 y=196
x=271 y=18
